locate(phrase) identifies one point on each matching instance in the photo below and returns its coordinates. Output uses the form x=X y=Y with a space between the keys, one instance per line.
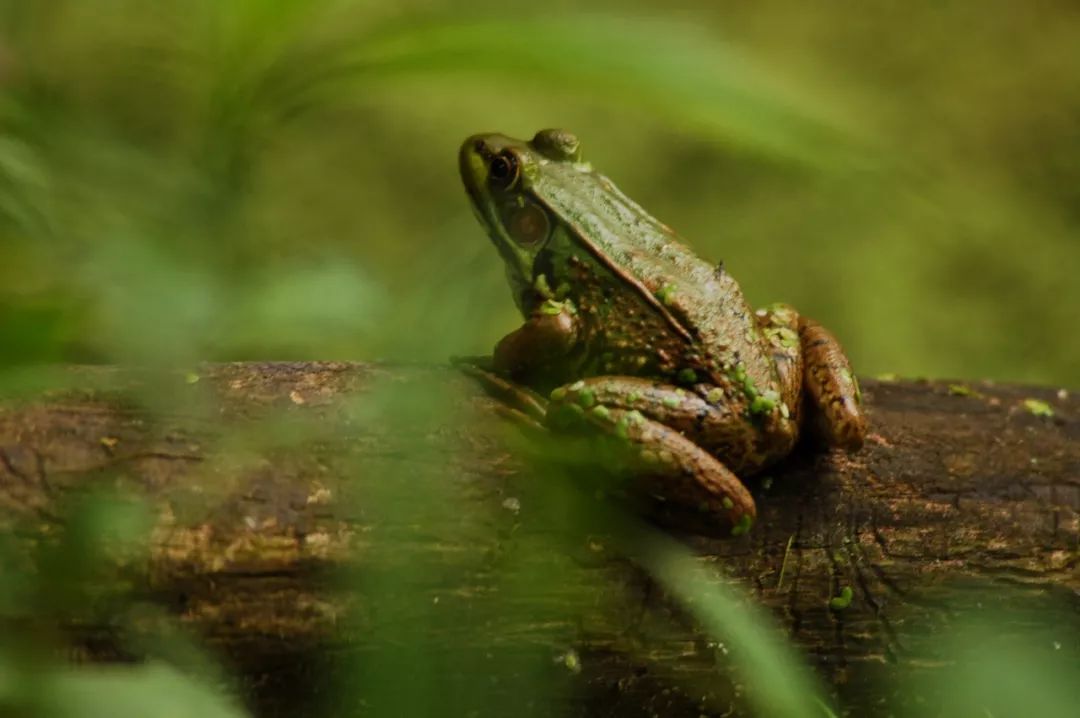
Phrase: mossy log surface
x=957 y=492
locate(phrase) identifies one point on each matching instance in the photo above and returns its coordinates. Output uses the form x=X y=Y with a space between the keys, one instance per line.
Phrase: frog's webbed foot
x=831 y=389
x=667 y=464
x=515 y=402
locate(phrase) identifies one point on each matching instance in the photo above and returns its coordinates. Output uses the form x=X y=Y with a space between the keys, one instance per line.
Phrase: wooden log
x=271 y=481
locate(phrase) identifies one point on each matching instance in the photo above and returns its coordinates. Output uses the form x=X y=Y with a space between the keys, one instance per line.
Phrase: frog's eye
x=528 y=225
x=503 y=170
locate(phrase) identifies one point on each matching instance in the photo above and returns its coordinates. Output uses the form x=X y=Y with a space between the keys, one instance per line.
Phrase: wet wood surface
x=294 y=501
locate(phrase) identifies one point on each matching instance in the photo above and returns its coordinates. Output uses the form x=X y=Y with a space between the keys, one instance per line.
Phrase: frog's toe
x=517 y=399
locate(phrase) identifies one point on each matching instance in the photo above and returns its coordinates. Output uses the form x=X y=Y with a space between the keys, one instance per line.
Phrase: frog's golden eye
x=528 y=225
x=503 y=170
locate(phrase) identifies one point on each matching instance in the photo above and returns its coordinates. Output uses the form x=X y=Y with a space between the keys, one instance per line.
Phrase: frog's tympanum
x=633 y=336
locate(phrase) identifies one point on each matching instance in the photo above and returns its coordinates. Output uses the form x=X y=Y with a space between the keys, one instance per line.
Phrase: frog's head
x=499 y=174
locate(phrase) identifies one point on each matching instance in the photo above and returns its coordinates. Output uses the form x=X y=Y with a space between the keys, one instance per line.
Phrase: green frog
x=629 y=334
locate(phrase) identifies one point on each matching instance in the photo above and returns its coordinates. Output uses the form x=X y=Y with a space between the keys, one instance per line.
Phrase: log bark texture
x=266 y=478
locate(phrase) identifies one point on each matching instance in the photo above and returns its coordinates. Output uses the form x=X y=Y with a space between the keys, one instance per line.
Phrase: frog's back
x=698 y=296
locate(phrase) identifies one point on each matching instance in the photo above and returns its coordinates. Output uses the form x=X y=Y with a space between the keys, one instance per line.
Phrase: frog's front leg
x=529 y=355
x=657 y=427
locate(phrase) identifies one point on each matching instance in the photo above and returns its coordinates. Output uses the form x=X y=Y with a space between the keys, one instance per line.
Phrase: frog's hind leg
x=834 y=403
x=663 y=435
x=780 y=325
x=667 y=464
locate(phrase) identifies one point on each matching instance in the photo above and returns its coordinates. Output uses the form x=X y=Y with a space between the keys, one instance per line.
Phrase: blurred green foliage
x=185 y=180
x=193 y=179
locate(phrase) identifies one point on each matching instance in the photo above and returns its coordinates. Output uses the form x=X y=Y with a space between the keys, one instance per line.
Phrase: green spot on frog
x=586 y=398
x=688 y=376
x=846 y=374
x=728 y=503
x=672 y=402
x=666 y=294
x=558 y=393
x=1038 y=407
x=600 y=412
x=551 y=308
x=839 y=603
x=540 y=284
x=635 y=417
x=745 y=522
x=633 y=397
x=783 y=336
x=764 y=403
x=715 y=395
x=780 y=313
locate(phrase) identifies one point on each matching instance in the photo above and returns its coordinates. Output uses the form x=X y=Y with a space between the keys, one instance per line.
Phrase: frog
x=630 y=335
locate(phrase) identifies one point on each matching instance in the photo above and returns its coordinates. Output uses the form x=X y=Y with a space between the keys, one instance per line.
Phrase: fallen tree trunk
x=267 y=478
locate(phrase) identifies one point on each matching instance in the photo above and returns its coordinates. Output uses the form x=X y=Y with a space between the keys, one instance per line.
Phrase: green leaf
x=673 y=69
x=150 y=691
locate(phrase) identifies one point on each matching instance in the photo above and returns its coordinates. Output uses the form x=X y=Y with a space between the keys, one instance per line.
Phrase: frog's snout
x=471 y=164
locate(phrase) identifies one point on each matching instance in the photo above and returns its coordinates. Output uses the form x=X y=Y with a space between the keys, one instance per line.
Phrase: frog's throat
x=517 y=261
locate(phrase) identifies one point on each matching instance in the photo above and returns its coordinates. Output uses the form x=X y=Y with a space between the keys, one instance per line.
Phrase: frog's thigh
x=673 y=466
x=648 y=419
x=780 y=325
x=706 y=420
x=831 y=388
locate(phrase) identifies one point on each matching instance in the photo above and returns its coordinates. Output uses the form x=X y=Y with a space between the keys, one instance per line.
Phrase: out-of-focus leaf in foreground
x=149 y=691
x=674 y=69
x=779 y=682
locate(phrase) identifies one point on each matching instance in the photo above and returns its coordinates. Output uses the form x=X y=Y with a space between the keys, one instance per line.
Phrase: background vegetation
x=192 y=179
x=189 y=180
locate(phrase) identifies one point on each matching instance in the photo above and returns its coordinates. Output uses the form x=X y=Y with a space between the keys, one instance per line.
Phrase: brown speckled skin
x=830 y=388
x=637 y=337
